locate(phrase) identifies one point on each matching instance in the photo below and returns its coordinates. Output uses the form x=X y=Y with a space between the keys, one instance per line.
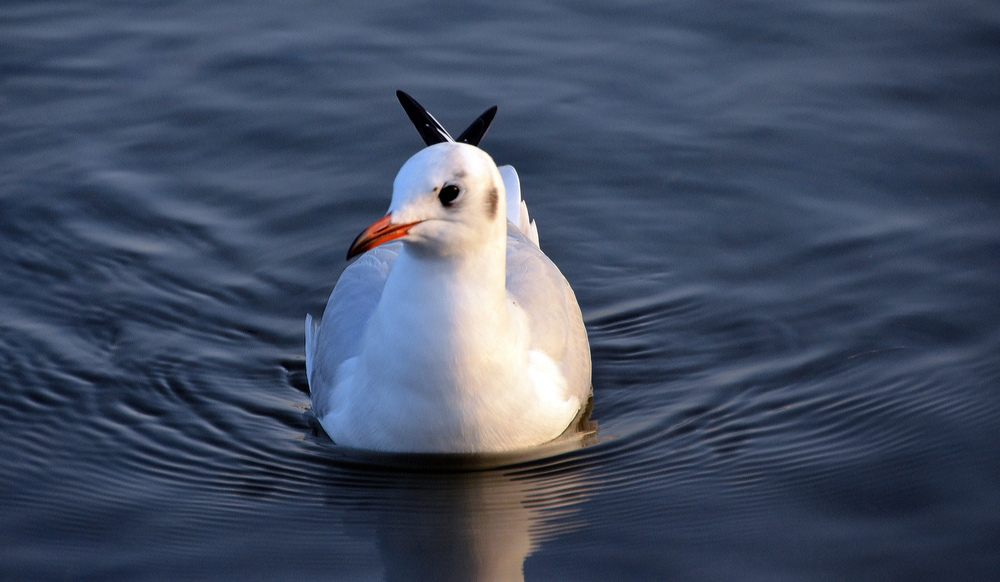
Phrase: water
x=781 y=221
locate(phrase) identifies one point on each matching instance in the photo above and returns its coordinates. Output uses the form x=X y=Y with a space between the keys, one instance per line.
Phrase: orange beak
x=380 y=232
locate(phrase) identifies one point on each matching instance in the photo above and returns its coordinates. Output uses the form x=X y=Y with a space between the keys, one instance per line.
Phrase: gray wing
x=338 y=337
x=554 y=317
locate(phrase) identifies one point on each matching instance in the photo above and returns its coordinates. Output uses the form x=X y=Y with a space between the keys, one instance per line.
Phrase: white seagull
x=460 y=336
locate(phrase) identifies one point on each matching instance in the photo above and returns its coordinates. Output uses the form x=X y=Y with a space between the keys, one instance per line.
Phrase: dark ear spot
x=492 y=202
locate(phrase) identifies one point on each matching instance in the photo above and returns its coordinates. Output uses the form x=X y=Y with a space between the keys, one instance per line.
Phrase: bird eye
x=448 y=194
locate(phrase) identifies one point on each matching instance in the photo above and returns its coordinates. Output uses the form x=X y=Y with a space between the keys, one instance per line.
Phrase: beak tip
x=381 y=232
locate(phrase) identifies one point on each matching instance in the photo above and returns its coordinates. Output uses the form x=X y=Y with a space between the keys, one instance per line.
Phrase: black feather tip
x=431 y=130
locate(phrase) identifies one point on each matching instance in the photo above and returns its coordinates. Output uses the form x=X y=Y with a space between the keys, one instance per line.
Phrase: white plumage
x=460 y=336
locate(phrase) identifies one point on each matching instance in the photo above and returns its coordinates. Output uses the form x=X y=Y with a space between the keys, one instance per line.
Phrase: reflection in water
x=476 y=526
x=434 y=524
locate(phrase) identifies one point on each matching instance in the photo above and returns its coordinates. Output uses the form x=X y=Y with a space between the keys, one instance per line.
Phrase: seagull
x=452 y=332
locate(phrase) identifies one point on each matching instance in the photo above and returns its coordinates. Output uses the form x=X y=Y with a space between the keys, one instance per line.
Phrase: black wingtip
x=429 y=129
x=475 y=132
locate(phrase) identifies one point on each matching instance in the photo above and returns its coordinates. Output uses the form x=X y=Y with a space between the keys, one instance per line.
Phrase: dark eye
x=448 y=194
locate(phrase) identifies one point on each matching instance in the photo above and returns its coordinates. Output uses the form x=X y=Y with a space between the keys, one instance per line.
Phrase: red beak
x=380 y=232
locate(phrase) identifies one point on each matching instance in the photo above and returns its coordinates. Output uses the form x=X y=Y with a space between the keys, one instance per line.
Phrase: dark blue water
x=781 y=219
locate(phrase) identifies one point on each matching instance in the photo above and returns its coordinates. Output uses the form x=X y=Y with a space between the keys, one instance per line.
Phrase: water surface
x=780 y=220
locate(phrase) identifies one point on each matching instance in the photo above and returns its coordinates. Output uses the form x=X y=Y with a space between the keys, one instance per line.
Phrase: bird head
x=447 y=198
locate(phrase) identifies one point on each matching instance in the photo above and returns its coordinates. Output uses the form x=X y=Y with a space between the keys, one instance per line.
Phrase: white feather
x=517 y=210
x=461 y=337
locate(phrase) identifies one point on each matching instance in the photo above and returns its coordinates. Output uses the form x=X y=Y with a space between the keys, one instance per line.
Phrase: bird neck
x=463 y=288
x=442 y=316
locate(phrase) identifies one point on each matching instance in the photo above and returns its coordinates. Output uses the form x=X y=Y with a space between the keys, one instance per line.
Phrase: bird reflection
x=476 y=526
x=441 y=523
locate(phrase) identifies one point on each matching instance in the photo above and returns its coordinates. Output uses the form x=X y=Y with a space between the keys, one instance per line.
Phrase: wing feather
x=517 y=210
x=347 y=313
x=539 y=288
